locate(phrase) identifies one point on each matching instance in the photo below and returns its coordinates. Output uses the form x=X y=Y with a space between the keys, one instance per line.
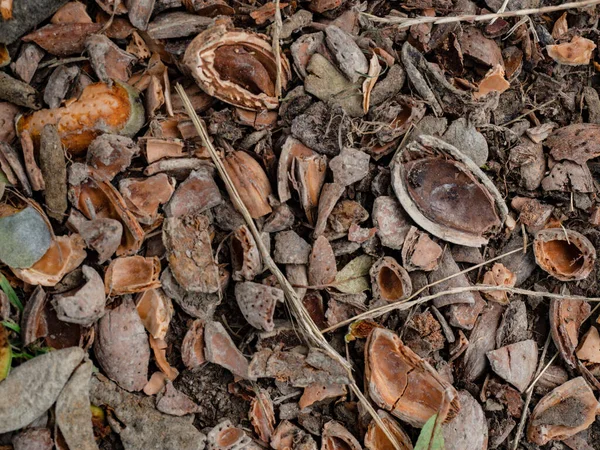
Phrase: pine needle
x=307 y=325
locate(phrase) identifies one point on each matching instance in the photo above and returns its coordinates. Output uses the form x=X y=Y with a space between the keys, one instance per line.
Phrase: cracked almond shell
x=565 y=254
x=237 y=67
x=389 y=280
x=445 y=193
x=251 y=182
x=562 y=413
x=402 y=383
x=99 y=109
x=335 y=437
x=375 y=439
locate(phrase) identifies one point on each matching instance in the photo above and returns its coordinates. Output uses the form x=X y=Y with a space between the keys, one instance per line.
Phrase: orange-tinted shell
x=99 y=109
x=251 y=182
x=375 y=439
x=401 y=382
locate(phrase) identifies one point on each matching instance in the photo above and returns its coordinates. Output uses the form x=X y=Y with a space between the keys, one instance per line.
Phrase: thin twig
x=404 y=22
x=294 y=303
x=529 y=395
x=276 y=47
x=501 y=10
x=406 y=304
x=416 y=294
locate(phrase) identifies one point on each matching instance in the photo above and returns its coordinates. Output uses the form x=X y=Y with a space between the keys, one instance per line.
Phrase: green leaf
x=352 y=278
x=11 y=326
x=6 y=354
x=12 y=295
x=430 y=439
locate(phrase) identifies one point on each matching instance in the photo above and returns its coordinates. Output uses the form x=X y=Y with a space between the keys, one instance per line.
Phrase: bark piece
x=298 y=369
x=58 y=85
x=178 y=24
x=171 y=401
x=25 y=16
x=33 y=387
x=102 y=235
x=188 y=244
x=566 y=316
x=565 y=254
x=13 y=160
x=420 y=252
x=85 y=304
x=18 y=92
x=155 y=310
x=350 y=166
x=324 y=81
x=8 y=113
x=33 y=438
x=348 y=55
x=27 y=63
x=63 y=39
x=513 y=326
x=25 y=238
x=145 y=195
x=469 y=430
x=65 y=254
x=564 y=412
x=577 y=143
x=246 y=261
x=139 y=12
x=157 y=149
x=481 y=341
x=515 y=363
x=110 y=154
x=322 y=265
x=463 y=134
x=108 y=60
x=54 y=171
x=483 y=50
x=262 y=415
x=447 y=267
x=130 y=274
x=139 y=424
x=121 y=347
x=578 y=52
x=192 y=348
x=291 y=248
x=196 y=194
x=220 y=349
x=289 y=151
x=73 y=414
x=216 y=56
x=391 y=221
x=196 y=304
x=402 y=383
x=72 y=12
x=99 y=109
x=257 y=303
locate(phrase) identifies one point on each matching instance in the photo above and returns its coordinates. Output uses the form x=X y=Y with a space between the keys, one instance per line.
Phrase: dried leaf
x=25 y=237
x=33 y=387
x=352 y=279
x=369 y=83
x=73 y=414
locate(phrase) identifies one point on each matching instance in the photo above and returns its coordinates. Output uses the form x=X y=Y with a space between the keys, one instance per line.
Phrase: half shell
x=446 y=193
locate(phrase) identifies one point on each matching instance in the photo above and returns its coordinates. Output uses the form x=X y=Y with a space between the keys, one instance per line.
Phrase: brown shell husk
x=399 y=381
x=466 y=215
x=335 y=436
x=375 y=439
x=390 y=281
x=565 y=254
x=562 y=413
x=130 y=274
x=201 y=55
